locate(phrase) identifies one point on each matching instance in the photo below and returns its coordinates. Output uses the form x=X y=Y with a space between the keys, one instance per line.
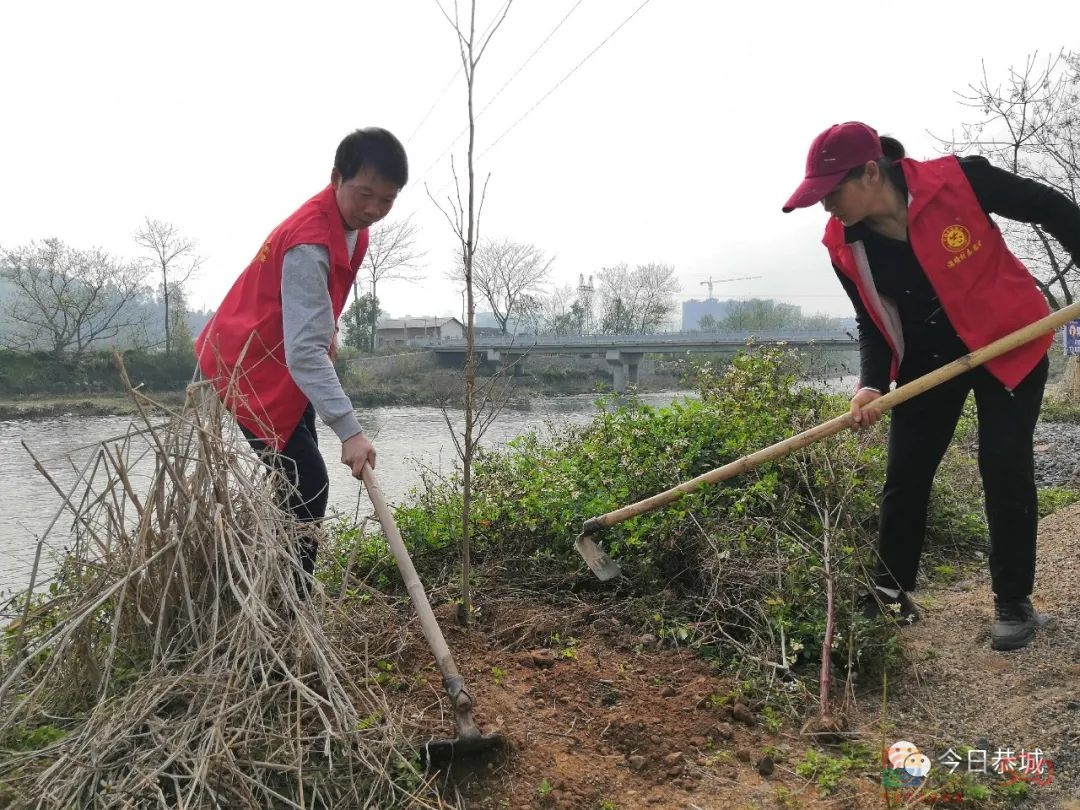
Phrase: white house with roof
x=413 y=331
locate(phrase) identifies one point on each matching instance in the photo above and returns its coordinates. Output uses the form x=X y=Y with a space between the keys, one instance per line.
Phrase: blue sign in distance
x=1071 y=338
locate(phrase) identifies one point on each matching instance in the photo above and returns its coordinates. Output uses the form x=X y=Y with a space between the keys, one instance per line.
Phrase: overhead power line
x=434 y=104
x=559 y=83
x=506 y=84
x=450 y=83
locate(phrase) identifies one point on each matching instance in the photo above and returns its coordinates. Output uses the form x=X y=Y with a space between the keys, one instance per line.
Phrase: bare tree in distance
x=172 y=255
x=508 y=274
x=1029 y=124
x=529 y=313
x=561 y=312
x=69 y=300
x=392 y=255
x=636 y=301
x=463 y=214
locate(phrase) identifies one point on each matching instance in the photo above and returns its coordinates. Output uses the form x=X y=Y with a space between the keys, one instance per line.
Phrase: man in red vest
x=930 y=278
x=269 y=347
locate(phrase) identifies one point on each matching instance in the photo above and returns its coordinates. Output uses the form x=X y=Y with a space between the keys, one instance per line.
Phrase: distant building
x=414 y=331
x=694 y=310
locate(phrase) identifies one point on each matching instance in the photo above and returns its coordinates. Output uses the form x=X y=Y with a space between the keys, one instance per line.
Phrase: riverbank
x=59 y=405
x=435 y=388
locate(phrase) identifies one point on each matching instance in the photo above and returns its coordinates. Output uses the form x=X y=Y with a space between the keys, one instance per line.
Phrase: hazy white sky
x=676 y=142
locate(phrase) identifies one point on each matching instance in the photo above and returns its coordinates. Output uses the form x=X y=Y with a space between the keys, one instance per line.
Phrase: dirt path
x=600 y=717
x=961 y=693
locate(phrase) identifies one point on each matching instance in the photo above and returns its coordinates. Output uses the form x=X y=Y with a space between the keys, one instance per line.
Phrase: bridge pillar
x=624 y=368
x=515 y=361
x=632 y=359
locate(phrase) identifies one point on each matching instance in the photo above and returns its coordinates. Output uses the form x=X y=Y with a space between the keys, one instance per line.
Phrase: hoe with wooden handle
x=469 y=740
x=606 y=568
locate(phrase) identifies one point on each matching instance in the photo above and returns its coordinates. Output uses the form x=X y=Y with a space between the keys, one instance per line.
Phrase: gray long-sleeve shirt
x=309 y=328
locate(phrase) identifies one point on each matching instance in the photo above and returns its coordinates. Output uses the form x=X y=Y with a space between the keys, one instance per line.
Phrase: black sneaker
x=898 y=608
x=1015 y=623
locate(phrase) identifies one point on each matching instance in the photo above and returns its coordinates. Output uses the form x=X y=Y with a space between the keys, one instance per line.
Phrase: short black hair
x=376 y=148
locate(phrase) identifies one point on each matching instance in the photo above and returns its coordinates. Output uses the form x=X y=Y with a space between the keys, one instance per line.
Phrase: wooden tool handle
x=889 y=400
x=428 y=622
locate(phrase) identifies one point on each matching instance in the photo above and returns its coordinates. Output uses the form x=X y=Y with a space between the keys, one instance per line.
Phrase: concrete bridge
x=624 y=352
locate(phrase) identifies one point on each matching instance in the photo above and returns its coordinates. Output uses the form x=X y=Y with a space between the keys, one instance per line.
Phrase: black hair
x=375 y=148
x=891 y=148
x=892 y=153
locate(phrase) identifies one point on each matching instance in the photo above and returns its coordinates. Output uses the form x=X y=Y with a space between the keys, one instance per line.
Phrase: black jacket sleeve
x=875 y=356
x=1002 y=192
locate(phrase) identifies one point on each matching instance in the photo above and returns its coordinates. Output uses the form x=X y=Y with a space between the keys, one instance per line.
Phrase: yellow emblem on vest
x=264 y=252
x=955 y=238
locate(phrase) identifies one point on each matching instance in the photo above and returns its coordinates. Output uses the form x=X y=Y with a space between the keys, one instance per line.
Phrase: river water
x=407 y=439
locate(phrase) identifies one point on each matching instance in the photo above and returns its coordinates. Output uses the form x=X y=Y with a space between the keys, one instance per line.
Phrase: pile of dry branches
x=172 y=659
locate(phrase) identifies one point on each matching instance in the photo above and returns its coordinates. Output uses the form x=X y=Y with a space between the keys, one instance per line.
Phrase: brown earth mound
x=600 y=716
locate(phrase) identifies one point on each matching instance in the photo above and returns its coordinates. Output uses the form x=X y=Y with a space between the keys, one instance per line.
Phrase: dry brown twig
x=182 y=665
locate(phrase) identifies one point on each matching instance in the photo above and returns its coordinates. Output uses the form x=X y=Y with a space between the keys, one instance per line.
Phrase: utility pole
x=585 y=293
x=712 y=281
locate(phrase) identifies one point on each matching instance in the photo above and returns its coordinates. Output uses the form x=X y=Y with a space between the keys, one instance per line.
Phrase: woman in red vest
x=931 y=279
x=269 y=348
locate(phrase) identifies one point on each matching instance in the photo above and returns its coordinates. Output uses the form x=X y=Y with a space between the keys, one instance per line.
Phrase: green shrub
x=1051 y=499
x=740 y=560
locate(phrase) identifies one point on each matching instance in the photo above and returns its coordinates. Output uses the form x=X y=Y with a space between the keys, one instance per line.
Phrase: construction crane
x=712 y=281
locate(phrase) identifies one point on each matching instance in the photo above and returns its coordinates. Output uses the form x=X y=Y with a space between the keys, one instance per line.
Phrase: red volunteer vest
x=242 y=349
x=984 y=290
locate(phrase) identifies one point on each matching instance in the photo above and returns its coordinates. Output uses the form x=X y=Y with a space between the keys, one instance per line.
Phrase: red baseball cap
x=834 y=153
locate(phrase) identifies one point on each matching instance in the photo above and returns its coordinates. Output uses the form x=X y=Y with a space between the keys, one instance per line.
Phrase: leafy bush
x=743 y=560
x=1051 y=499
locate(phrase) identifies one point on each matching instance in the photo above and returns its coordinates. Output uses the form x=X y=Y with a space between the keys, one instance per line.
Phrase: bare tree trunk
x=168 y=319
x=374 y=317
x=824 y=679
x=176 y=257
x=470 y=359
x=465 y=223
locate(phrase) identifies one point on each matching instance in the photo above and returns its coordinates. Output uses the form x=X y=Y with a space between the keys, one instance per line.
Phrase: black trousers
x=920 y=432
x=305 y=498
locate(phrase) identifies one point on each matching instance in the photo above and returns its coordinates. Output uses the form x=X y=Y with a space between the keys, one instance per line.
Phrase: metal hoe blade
x=440 y=753
x=596 y=558
x=469 y=741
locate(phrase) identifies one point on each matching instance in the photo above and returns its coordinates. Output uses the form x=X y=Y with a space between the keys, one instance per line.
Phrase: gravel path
x=958 y=692
x=1057 y=454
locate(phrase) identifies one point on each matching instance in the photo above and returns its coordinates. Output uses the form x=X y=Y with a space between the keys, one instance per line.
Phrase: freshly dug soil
x=600 y=716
